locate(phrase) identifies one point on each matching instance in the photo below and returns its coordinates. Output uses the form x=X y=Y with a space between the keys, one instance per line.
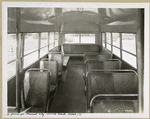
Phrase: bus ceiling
x=66 y=19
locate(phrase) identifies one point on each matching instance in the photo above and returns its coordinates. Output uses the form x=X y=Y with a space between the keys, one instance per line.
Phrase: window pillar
x=111 y=42
x=39 y=45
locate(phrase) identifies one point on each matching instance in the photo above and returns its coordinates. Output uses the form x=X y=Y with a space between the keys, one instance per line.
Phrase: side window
x=44 y=44
x=51 y=40
x=11 y=55
x=129 y=48
x=116 y=43
x=108 y=40
x=103 y=39
x=56 y=38
x=30 y=50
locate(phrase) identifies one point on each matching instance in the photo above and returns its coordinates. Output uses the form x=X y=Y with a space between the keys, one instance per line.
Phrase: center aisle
x=70 y=96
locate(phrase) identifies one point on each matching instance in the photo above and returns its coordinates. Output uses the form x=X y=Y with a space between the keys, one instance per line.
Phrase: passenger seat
x=52 y=66
x=35 y=93
x=59 y=58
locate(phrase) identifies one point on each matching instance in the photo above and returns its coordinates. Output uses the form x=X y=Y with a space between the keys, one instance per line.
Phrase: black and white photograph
x=75 y=60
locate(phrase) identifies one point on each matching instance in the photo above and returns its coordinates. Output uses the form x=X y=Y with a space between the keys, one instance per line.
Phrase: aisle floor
x=70 y=96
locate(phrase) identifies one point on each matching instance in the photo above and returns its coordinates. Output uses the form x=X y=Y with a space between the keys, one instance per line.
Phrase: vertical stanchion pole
x=120 y=34
x=18 y=50
x=140 y=57
x=22 y=50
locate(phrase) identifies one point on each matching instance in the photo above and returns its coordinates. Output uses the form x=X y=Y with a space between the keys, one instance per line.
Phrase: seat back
x=52 y=66
x=106 y=64
x=80 y=48
x=91 y=55
x=36 y=88
x=104 y=56
x=59 y=58
x=111 y=82
x=125 y=83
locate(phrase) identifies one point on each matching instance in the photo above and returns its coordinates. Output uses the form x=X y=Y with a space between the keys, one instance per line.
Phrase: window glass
x=11 y=47
x=71 y=38
x=51 y=40
x=51 y=37
x=31 y=42
x=11 y=69
x=51 y=46
x=108 y=37
x=56 y=38
x=116 y=51
x=44 y=39
x=129 y=58
x=109 y=47
x=29 y=59
x=103 y=39
x=116 y=39
x=87 y=38
x=128 y=42
x=43 y=51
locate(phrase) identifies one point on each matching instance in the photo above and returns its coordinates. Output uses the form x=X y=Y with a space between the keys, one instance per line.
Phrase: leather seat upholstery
x=59 y=58
x=85 y=55
x=52 y=66
x=113 y=106
x=106 y=64
x=35 y=93
x=79 y=49
x=111 y=82
x=95 y=64
x=97 y=56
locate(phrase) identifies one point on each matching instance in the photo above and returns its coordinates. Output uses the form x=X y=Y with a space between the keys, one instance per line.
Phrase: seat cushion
x=113 y=106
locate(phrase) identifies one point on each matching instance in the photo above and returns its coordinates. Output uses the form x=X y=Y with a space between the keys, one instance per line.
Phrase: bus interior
x=75 y=59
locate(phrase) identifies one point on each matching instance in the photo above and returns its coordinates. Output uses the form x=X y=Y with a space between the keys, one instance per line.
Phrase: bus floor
x=70 y=95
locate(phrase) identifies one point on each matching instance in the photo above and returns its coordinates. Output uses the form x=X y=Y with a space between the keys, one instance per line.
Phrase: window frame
x=80 y=37
x=121 y=49
x=22 y=55
x=11 y=61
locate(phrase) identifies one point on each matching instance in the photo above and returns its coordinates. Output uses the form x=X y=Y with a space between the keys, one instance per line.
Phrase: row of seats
x=79 y=49
x=96 y=60
x=41 y=84
x=108 y=88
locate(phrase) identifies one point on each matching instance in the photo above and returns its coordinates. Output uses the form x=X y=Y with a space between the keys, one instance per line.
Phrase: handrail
x=37 y=69
x=109 y=70
x=95 y=60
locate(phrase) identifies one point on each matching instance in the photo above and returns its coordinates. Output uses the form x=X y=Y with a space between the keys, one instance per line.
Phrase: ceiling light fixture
x=80 y=9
